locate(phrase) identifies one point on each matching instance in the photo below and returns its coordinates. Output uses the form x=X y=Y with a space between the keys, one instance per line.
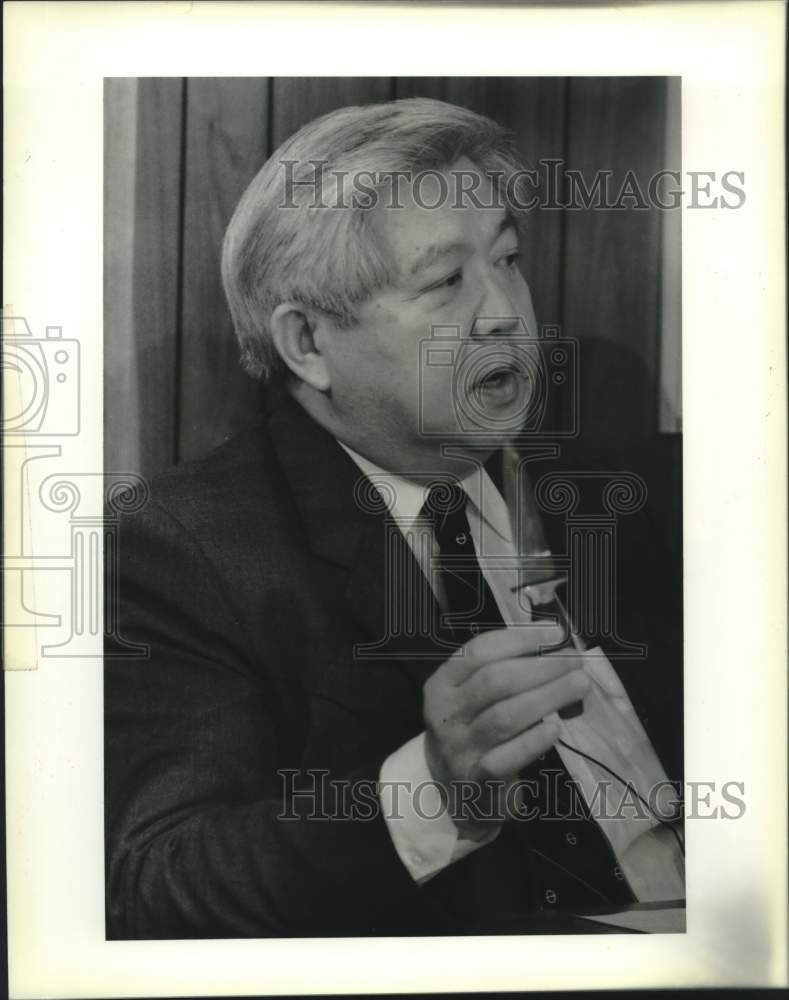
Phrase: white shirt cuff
x=422 y=831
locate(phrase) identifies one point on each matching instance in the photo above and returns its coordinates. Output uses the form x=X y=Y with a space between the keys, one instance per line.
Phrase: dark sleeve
x=195 y=842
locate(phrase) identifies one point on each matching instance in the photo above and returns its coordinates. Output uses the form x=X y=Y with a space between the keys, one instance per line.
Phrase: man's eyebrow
x=434 y=252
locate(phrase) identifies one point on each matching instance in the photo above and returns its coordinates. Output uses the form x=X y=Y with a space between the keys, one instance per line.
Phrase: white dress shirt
x=609 y=730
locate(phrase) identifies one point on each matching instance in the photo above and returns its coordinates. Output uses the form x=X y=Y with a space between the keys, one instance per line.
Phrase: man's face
x=457 y=267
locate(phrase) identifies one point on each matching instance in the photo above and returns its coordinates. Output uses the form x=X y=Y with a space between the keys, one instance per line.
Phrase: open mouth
x=501 y=382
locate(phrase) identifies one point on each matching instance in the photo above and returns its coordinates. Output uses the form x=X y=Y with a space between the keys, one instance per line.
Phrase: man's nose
x=504 y=325
x=497 y=315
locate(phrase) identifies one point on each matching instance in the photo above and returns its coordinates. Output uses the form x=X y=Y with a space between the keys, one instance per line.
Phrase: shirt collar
x=405 y=498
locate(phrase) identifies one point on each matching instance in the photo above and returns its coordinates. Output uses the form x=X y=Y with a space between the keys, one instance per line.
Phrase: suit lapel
x=347 y=524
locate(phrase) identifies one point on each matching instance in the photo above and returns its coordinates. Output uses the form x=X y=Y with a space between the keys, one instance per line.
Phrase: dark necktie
x=569 y=861
x=471 y=606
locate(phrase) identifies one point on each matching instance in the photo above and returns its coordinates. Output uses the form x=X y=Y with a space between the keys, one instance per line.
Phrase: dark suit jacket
x=251 y=575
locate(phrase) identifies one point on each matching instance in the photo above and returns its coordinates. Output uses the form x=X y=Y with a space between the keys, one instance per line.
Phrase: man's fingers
x=495 y=682
x=506 y=719
x=502 y=644
x=507 y=759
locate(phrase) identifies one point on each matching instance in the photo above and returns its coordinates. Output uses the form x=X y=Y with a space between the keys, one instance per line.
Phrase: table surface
x=634 y=918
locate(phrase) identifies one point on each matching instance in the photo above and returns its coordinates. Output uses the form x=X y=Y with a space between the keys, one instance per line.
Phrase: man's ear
x=293 y=332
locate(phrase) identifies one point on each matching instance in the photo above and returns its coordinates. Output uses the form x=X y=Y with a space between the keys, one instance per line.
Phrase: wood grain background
x=179 y=153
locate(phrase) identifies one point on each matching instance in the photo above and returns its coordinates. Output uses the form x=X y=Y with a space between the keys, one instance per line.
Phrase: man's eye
x=510 y=259
x=448 y=282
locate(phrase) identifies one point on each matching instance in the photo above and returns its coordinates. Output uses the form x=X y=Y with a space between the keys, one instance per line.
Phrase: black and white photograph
x=405 y=588
x=394 y=498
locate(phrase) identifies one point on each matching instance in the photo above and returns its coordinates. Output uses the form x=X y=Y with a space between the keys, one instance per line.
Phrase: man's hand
x=483 y=711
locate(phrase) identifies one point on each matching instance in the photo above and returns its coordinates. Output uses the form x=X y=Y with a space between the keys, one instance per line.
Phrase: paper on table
x=658 y=920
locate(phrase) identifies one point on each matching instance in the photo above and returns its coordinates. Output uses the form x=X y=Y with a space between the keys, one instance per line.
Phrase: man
x=348 y=720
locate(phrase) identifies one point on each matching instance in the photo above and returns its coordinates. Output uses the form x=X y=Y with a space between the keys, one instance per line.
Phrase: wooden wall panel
x=297 y=100
x=159 y=155
x=612 y=256
x=670 y=361
x=122 y=437
x=422 y=86
x=226 y=143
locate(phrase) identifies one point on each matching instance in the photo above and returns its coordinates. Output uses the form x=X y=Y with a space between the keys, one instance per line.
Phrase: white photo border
x=730 y=57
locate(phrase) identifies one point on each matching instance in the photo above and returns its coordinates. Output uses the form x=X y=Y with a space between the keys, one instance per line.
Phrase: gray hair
x=282 y=245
